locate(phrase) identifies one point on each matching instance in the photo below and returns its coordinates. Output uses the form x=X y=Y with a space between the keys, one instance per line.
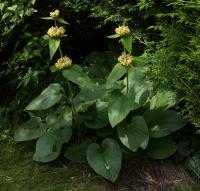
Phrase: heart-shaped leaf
x=59 y=132
x=163 y=123
x=49 y=97
x=49 y=145
x=161 y=148
x=76 y=75
x=120 y=106
x=100 y=119
x=135 y=134
x=163 y=100
x=77 y=153
x=30 y=130
x=105 y=159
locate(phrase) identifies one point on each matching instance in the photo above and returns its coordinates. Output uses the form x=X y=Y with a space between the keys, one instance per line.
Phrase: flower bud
x=64 y=62
x=55 y=32
x=125 y=59
x=55 y=14
x=122 y=31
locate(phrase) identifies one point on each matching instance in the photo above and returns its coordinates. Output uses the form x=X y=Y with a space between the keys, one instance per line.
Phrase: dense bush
x=96 y=93
x=83 y=107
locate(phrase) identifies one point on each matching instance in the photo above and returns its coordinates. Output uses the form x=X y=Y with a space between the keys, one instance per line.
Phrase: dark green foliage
x=164 y=40
x=170 y=31
x=12 y=14
x=175 y=58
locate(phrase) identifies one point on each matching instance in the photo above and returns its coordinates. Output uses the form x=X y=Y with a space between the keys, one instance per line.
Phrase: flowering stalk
x=126 y=60
x=127 y=81
x=56 y=32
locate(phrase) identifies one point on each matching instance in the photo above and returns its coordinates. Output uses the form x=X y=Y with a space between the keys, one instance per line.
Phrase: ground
x=19 y=173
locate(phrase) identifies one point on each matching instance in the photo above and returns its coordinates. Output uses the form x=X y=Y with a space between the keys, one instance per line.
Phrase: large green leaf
x=54 y=44
x=49 y=97
x=142 y=60
x=163 y=123
x=105 y=159
x=76 y=75
x=89 y=94
x=117 y=72
x=127 y=43
x=30 y=130
x=59 y=132
x=139 y=84
x=161 y=148
x=135 y=134
x=49 y=145
x=77 y=153
x=163 y=100
x=120 y=106
x=142 y=91
x=100 y=119
x=137 y=75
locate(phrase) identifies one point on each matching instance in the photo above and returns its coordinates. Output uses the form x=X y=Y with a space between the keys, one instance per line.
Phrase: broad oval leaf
x=54 y=44
x=120 y=107
x=105 y=160
x=100 y=119
x=30 y=130
x=163 y=123
x=77 y=153
x=135 y=134
x=161 y=148
x=117 y=72
x=163 y=100
x=49 y=145
x=77 y=76
x=142 y=60
x=49 y=97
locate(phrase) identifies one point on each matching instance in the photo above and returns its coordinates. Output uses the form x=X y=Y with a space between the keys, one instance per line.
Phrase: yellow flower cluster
x=125 y=59
x=55 y=14
x=64 y=62
x=122 y=30
x=56 y=32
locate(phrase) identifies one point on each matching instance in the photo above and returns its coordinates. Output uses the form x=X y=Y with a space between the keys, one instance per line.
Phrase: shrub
x=99 y=118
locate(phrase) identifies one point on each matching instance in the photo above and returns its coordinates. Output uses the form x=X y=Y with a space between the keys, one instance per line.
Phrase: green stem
x=127 y=80
x=60 y=50
x=70 y=90
x=74 y=112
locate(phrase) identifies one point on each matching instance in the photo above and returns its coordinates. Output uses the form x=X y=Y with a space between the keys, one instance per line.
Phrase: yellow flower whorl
x=55 y=14
x=125 y=59
x=122 y=30
x=55 y=32
x=64 y=62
